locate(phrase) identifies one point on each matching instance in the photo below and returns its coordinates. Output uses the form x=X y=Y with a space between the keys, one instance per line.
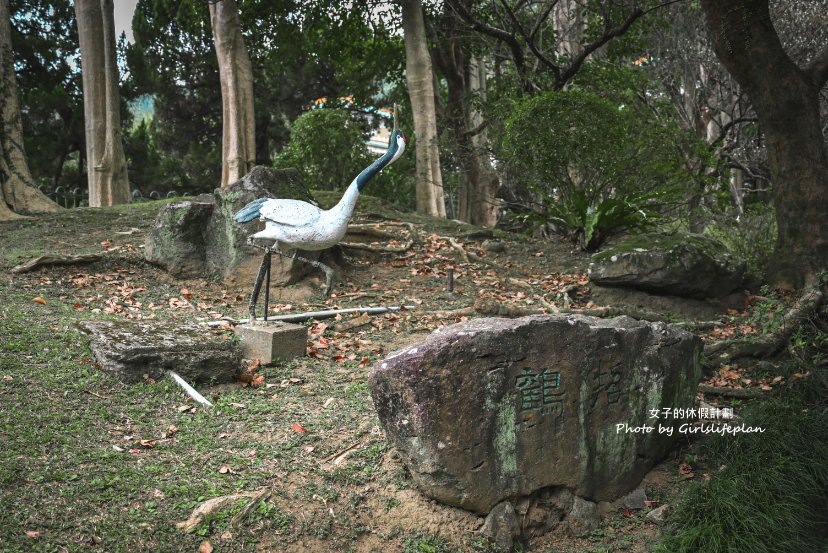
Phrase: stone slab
x=495 y=409
x=131 y=349
x=271 y=341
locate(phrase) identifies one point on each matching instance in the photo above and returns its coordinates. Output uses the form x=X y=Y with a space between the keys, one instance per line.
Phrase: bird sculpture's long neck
x=346 y=205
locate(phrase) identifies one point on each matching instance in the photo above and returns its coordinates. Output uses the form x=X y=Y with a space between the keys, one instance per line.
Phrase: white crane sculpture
x=297 y=225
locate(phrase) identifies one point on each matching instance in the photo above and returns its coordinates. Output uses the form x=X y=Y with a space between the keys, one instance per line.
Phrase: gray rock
x=546 y=510
x=131 y=349
x=584 y=516
x=199 y=238
x=688 y=265
x=501 y=526
x=635 y=499
x=494 y=246
x=659 y=514
x=495 y=409
x=177 y=239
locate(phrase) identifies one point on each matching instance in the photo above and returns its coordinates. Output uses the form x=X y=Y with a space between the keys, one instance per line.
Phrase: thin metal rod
x=267 y=286
x=327 y=314
x=190 y=390
x=257 y=287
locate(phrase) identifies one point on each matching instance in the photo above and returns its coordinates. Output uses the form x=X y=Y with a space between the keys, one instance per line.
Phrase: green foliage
x=144 y=161
x=300 y=51
x=598 y=167
x=752 y=237
x=771 y=496
x=328 y=147
x=46 y=51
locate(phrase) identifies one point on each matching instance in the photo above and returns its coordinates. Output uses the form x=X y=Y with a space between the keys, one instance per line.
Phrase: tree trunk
x=106 y=162
x=238 y=140
x=478 y=182
x=418 y=74
x=786 y=99
x=568 y=20
x=18 y=193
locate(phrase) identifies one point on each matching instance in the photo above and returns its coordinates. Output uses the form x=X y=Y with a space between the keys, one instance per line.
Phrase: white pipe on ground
x=190 y=390
x=300 y=317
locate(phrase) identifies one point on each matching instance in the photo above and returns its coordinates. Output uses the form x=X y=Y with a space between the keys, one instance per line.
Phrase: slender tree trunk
x=419 y=76
x=786 y=99
x=18 y=193
x=238 y=141
x=478 y=182
x=568 y=20
x=106 y=162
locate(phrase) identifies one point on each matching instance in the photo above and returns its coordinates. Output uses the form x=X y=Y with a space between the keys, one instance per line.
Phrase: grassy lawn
x=90 y=464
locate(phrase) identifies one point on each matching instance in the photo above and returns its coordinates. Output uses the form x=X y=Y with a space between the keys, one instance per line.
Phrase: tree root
x=494 y=309
x=44 y=260
x=213 y=506
x=368 y=230
x=739 y=393
x=726 y=351
x=377 y=249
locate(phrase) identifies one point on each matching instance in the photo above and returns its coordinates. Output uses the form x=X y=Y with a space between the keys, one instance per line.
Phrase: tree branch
x=723 y=129
x=544 y=16
x=501 y=35
x=529 y=42
x=609 y=34
x=817 y=70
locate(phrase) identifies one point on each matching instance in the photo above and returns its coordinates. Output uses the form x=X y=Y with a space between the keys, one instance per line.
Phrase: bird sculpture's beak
x=396 y=126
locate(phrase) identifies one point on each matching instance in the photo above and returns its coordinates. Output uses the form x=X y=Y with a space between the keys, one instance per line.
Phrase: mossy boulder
x=199 y=238
x=686 y=265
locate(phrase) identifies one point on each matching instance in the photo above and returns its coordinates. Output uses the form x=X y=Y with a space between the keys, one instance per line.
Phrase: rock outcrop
x=199 y=238
x=689 y=265
x=494 y=409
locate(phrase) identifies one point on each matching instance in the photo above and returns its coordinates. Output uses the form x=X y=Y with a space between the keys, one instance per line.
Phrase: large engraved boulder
x=199 y=238
x=498 y=409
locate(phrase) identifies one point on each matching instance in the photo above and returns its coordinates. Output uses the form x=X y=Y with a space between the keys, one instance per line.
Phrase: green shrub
x=598 y=167
x=752 y=237
x=328 y=147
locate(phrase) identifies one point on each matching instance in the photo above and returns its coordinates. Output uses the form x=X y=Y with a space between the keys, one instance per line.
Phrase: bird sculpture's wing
x=294 y=213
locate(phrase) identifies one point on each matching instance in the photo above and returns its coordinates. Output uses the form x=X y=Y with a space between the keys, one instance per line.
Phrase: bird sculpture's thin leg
x=264 y=270
x=329 y=273
x=267 y=286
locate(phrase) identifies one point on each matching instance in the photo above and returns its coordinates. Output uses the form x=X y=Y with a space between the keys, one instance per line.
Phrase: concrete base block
x=271 y=341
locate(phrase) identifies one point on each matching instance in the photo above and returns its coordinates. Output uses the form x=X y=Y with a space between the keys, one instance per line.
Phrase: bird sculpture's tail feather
x=250 y=211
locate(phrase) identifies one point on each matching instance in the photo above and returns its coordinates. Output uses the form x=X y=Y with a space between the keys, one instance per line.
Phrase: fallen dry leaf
x=205 y=547
x=225 y=469
x=38 y=299
x=32 y=533
x=298 y=428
